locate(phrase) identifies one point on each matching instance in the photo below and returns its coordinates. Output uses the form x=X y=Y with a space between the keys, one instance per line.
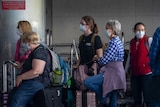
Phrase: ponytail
x=95 y=29
x=90 y=21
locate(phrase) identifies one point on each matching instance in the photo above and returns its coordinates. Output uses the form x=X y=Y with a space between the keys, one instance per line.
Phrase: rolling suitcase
x=68 y=97
x=49 y=97
x=86 y=99
x=8 y=81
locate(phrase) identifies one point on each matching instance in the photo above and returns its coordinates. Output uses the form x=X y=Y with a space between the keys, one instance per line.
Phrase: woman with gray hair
x=111 y=77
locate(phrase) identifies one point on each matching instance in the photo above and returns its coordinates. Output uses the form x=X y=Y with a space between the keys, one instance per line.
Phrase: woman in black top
x=35 y=71
x=87 y=48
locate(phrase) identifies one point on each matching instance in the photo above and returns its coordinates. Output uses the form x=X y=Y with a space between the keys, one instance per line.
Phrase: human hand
x=18 y=80
x=19 y=66
x=95 y=58
x=74 y=67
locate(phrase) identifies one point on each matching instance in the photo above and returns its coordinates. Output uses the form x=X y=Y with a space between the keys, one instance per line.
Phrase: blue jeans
x=139 y=85
x=94 y=83
x=25 y=92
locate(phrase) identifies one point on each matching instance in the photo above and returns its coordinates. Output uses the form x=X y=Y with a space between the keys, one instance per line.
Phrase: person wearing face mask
x=22 y=50
x=139 y=64
x=87 y=51
x=35 y=72
x=111 y=77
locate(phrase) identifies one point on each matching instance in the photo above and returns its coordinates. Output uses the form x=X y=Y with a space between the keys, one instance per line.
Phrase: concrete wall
x=67 y=15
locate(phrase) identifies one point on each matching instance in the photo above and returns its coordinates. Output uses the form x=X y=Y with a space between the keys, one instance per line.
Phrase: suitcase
x=49 y=97
x=68 y=97
x=4 y=99
x=86 y=99
x=8 y=81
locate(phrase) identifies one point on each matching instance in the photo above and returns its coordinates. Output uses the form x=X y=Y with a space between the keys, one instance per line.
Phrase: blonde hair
x=31 y=37
x=24 y=25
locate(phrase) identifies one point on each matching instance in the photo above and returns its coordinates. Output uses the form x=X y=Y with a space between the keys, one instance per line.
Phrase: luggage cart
x=8 y=80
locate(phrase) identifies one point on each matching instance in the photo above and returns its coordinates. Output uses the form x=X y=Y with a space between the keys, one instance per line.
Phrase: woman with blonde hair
x=35 y=71
x=22 y=51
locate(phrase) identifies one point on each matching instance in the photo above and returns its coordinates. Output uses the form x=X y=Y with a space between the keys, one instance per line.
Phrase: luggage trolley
x=8 y=80
x=68 y=93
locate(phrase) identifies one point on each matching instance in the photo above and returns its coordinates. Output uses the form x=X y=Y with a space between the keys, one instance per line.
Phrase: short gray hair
x=115 y=25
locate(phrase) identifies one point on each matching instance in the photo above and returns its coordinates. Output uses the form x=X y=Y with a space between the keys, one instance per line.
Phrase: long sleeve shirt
x=154 y=53
x=114 y=51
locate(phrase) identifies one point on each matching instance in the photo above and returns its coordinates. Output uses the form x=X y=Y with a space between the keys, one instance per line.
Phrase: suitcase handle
x=8 y=76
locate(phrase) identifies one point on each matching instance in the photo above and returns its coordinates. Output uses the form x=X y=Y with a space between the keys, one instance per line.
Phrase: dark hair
x=139 y=23
x=90 y=21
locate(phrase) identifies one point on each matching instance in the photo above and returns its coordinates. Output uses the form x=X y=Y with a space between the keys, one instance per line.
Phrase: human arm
x=98 y=55
x=99 y=52
x=34 y=65
x=109 y=53
x=98 y=46
x=37 y=69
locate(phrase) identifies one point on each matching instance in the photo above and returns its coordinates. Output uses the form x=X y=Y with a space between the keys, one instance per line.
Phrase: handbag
x=81 y=73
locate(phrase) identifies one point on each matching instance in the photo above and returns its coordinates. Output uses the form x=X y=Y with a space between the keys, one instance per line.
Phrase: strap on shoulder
x=146 y=43
x=93 y=39
x=80 y=38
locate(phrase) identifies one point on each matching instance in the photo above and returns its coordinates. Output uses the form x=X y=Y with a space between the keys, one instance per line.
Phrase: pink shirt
x=21 y=53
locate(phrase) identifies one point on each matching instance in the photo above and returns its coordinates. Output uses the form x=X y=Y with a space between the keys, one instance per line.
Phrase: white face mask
x=140 y=34
x=82 y=28
x=107 y=33
x=27 y=46
x=18 y=32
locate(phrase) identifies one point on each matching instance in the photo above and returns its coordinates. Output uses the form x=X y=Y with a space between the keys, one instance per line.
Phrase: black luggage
x=49 y=97
x=68 y=97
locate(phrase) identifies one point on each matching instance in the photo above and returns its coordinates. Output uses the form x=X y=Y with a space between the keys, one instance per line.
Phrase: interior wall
x=48 y=14
x=67 y=15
